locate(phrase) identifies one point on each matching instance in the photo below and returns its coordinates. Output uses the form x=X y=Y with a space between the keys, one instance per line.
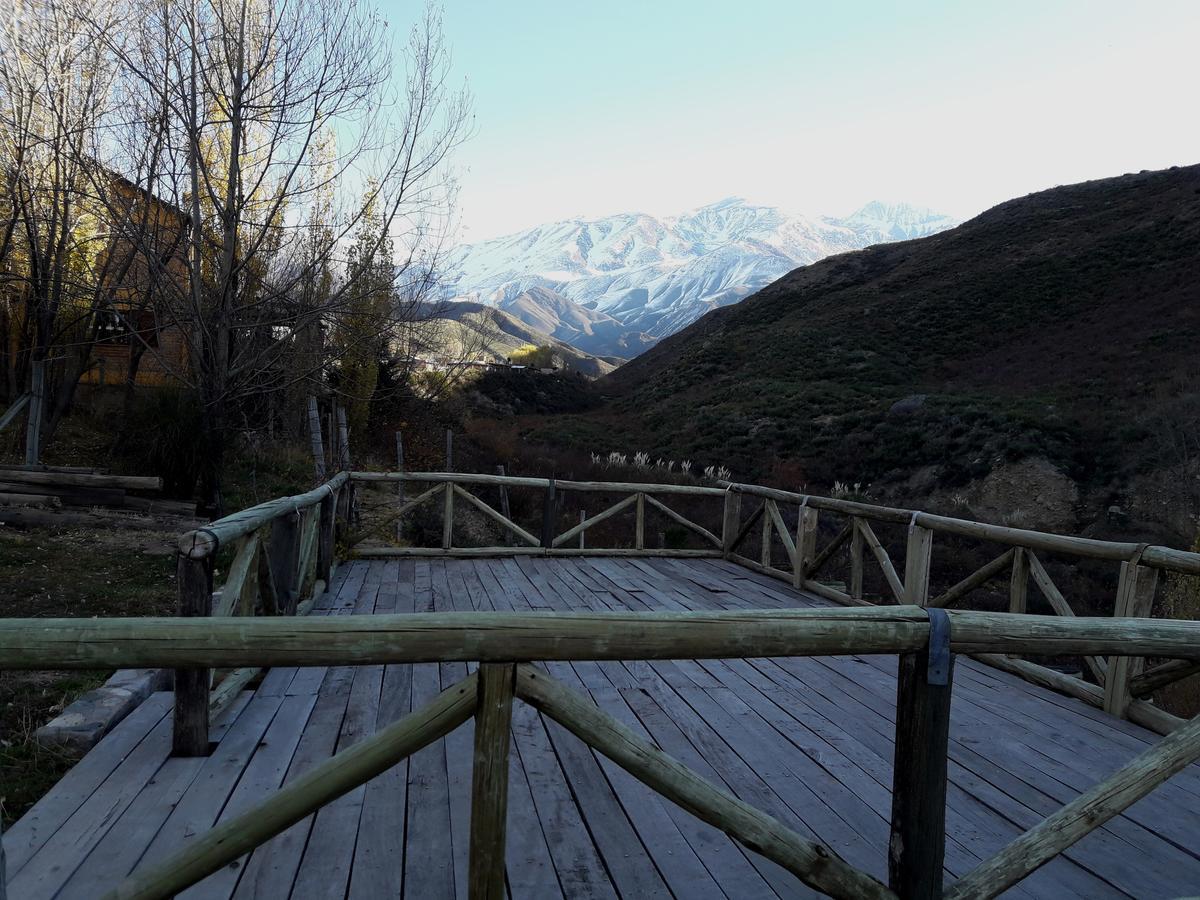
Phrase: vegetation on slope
x=1061 y=325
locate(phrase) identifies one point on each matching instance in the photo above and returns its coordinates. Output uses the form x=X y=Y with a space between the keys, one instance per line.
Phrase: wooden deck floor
x=808 y=740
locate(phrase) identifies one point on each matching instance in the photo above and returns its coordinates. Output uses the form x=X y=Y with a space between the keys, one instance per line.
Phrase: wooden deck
x=807 y=740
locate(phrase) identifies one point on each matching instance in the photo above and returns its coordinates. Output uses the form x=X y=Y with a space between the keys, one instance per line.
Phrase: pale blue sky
x=660 y=106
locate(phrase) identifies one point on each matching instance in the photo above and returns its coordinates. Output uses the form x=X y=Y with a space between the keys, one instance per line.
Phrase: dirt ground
x=68 y=572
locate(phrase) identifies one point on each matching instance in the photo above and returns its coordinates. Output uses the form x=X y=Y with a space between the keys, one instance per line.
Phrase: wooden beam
x=13 y=411
x=1135 y=598
x=83 y=479
x=505 y=510
x=684 y=521
x=325 y=538
x=583 y=526
x=448 y=516
x=380 y=527
x=1060 y=605
x=781 y=529
x=245 y=560
x=510 y=526
x=917 y=562
x=856 y=560
x=1160 y=676
x=1081 y=816
x=37 y=402
x=805 y=546
x=730 y=521
x=746 y=528
x=489 y=788
x=205 y=541
x=976 y=579
x=827 y=552
x=283 y=549
x=77 y=643
x=315 y=439
x=1018 y=585
x=225 y=842
x=814 y=864
x=881 y=556
x=917 y=845
x=639 y=522
x=548 y=508
x=765 y=541
x=189 y=736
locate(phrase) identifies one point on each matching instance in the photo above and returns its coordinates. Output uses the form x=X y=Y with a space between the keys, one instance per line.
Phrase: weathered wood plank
x=811 y=863
x=1089 y=810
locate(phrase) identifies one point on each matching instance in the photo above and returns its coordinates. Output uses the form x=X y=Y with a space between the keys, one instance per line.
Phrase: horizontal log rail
x=515 y=637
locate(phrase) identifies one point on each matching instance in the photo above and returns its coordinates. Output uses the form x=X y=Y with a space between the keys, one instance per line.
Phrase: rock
x=908 y=405
x=82 y=724
x=1032 y=493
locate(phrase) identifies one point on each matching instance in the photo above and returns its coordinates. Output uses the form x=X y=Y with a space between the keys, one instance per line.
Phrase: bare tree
x=238 y=98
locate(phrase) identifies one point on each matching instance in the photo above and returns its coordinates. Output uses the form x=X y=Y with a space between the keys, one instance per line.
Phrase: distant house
x=143 y=255
x=131 y=335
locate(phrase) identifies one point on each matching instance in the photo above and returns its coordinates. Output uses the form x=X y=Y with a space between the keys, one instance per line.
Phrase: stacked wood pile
x=54 y=487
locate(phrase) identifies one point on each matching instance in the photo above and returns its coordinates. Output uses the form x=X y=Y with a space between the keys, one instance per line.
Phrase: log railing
x=1120 y=683
x=792 y=522
x=454 y=490
x=504 y=644
x=282 y=560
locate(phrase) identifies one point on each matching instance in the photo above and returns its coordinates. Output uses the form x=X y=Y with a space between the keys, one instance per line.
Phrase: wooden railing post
x=917 y=845
x=917 y=558
x=806 y=543
x=639 y=537
x=400 y=483
x=504 y=507
x=448 y=516
x=489 y=788
x=731 y=522
x=1135 y=598
x=548 y=508
x=325 y=530
x=318 y=444
x=768 y=535
x=856 y=560
x=284 y=552
x=190 y=726
x=1018 y=586
x=37 y=399
x=582 y=532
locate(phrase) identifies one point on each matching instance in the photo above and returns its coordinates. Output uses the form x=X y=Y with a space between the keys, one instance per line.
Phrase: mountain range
x=1037 y=362
x=613 y=286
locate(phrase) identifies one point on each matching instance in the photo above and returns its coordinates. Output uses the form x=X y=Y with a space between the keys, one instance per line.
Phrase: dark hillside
x=1060 y=328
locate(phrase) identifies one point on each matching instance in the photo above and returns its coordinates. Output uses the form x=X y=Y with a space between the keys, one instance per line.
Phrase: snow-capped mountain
x=658 y=275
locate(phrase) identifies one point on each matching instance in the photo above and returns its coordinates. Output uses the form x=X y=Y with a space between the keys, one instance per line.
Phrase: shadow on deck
x=808 y=740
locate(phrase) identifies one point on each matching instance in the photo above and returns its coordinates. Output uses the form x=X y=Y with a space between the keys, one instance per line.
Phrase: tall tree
x=244 y=91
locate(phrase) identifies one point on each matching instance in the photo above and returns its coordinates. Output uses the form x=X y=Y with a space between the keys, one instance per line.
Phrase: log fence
x=282 y=553
x=282 y=560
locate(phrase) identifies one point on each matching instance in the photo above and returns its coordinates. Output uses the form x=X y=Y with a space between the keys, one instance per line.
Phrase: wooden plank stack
x=74 y=486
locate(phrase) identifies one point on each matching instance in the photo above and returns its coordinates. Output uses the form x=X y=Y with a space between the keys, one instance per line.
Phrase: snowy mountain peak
x=657 y=275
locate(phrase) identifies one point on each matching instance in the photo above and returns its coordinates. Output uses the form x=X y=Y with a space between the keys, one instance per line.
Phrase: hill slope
x=585 y=329
x=1063 y=326
x=464 y=330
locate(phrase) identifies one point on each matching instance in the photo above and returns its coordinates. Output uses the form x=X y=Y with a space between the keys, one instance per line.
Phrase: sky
x=585 y=109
